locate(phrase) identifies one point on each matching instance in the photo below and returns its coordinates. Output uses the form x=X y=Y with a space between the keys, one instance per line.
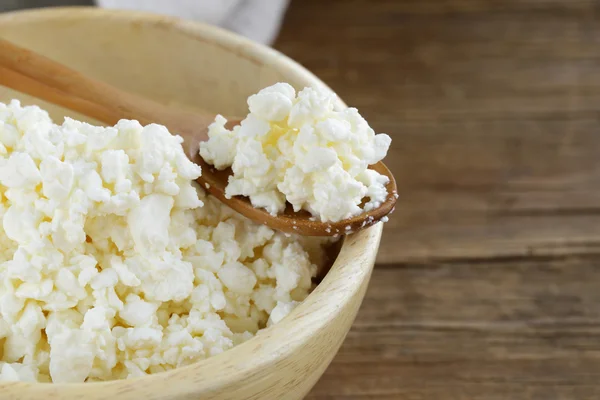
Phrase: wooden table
x=488 y=281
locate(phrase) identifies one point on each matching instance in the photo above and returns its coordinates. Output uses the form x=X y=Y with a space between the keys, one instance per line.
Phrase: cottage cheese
x=300 y=150
x=113 y=264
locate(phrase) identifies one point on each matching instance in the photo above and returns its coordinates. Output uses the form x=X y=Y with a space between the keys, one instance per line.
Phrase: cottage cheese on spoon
x=297 y=148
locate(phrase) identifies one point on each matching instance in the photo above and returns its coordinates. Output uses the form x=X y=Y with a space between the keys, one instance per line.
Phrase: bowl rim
x=340 y=286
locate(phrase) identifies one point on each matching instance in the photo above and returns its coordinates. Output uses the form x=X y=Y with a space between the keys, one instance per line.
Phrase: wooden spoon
x=36 y=75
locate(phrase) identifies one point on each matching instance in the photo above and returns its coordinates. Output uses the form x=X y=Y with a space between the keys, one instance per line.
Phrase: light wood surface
x=488 y=282
x=199 y=67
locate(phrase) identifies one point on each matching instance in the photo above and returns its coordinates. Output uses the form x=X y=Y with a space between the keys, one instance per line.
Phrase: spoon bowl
x=290 y=221
x=39 y=76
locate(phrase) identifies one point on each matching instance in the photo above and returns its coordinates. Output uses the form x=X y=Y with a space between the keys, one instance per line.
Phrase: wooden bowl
x=199 y=66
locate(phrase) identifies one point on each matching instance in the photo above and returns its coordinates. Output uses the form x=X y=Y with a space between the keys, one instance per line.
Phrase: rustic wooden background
x=488 y=281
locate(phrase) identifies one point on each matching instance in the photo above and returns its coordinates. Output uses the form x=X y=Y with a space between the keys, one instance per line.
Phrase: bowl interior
x=189 y=66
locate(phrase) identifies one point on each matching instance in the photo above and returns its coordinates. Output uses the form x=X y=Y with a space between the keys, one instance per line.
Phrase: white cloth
x=258 y=20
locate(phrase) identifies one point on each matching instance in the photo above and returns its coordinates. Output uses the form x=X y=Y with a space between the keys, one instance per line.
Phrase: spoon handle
x=26 y=71
x=24 y=84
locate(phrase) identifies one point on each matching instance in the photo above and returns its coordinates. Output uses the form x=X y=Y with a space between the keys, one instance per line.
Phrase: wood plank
x=474 y=331
x=493 y=108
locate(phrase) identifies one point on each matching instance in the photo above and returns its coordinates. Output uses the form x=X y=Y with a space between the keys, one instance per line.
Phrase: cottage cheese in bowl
x=113 y=264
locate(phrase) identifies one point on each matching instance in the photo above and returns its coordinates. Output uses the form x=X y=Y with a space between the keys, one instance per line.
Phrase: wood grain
x=493 y=107
x=493 y=110
x=487 y=286
x=494 y=330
